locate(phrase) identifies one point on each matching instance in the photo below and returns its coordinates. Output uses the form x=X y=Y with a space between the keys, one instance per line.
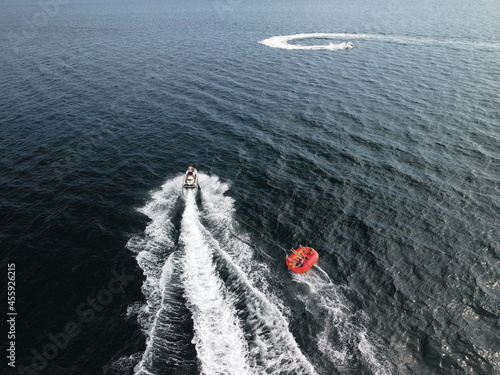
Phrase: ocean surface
x=384 y=157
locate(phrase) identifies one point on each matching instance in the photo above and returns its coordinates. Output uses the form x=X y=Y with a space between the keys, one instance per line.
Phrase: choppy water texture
x=383 y=157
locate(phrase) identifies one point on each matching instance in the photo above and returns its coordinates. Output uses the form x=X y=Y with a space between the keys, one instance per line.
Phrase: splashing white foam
x=155 y=245
x=154 y=255
x=218 y=335
x=340 y=334
x=282 y=41
x=272 y=348
x=237 y=328
x=239 y=324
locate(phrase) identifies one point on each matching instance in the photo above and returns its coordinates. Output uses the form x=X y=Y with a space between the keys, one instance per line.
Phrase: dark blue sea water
x=383 y=157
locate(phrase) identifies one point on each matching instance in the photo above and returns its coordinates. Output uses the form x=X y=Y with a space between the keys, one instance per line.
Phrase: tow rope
x=261 y=233
x=255 y=229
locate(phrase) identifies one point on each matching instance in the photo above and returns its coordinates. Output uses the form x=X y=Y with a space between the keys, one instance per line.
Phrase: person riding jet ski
x=191 y=177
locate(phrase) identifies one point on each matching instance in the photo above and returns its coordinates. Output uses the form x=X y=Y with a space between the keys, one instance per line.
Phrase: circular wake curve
x=282 y=41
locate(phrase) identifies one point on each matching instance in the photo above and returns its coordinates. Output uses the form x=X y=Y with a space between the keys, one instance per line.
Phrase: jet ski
x=348 y=45
x=191 y=178
x=343 y=45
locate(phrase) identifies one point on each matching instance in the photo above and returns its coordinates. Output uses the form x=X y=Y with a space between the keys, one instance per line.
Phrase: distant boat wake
x=283 y=41
x=209 y=305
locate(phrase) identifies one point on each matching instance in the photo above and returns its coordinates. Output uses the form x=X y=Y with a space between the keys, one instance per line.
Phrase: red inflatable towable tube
x=302 y=259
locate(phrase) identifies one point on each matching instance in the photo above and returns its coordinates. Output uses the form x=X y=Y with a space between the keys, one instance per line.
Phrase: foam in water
x=218 y=335
x=236 y=328
x=155 y=257
x=340 y=334
x=164 y=328
x=208 y=278
x=272 y=348
x=282 y=41
x=155 y=244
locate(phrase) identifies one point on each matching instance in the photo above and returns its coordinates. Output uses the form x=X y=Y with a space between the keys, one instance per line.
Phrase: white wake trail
x=272 y=347
x=209 y=304
x=283 y=41
x=154 y=246
x=340 y=333
x=218 y=335
x=156 y=257
x=142 y=367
